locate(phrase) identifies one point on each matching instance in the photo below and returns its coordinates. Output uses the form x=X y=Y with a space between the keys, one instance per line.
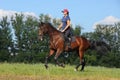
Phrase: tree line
x=19 y=42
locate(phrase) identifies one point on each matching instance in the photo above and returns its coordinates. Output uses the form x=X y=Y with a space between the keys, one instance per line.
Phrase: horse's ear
x=41 y=23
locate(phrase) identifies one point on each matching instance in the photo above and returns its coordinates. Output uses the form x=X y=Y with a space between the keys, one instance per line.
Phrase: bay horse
x=57 y=44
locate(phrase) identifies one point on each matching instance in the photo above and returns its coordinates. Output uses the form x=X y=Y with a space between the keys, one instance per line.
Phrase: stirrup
x=69 y=45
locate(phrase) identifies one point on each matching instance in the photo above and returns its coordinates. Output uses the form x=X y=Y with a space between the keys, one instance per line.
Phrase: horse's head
x=42 y=30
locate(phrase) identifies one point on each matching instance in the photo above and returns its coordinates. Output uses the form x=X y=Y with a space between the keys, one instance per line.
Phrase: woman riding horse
x=65 y=26
x=57 y=44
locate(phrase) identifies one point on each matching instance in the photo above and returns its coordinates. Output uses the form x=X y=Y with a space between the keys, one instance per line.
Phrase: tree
x=18 y=26
x=77 y=30
x=45 y=18
x=5 y=39
x=56 y=22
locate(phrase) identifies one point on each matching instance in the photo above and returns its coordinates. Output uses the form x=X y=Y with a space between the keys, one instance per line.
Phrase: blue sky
x=82 y=12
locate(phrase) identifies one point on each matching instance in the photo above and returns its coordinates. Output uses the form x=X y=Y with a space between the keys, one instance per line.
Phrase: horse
x=58 y=46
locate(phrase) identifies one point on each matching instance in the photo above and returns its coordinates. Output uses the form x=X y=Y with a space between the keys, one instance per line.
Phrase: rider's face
x=65 y=13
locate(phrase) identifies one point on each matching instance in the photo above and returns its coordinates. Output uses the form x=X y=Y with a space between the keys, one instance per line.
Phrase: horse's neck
x=53 y=32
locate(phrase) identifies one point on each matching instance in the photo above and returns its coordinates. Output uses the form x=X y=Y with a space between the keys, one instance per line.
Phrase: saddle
x=69 y=40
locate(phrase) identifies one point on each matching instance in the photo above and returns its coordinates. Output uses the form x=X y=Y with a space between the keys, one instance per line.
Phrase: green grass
x=21 y=71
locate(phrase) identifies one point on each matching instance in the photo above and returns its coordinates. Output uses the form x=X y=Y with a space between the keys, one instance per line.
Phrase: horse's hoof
x=75 y=70
x=81 y=70
x=63 y=65
x=46 y=66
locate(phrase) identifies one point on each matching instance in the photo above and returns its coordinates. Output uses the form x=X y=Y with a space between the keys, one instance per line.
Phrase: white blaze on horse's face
x=41 y=38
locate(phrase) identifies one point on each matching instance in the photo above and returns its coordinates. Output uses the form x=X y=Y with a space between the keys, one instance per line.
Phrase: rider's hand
x=62 y=31
x=57 y=28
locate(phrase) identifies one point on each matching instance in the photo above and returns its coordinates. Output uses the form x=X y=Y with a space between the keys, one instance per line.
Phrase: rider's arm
x=67 y=26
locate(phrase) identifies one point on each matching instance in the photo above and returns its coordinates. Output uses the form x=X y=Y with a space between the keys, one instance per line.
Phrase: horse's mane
x=50 y=25
x=53 y=28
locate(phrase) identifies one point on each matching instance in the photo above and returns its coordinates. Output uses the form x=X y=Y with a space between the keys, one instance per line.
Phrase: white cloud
x=110 y=20
x=10 y=13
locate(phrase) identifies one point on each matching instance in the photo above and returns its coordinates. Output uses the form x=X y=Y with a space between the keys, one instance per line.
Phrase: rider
x=65 y=26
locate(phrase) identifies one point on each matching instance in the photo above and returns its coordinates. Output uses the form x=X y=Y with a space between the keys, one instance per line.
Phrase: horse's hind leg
x=83 y=64
x=76 y=68
x=46 y=59
x=82 y=61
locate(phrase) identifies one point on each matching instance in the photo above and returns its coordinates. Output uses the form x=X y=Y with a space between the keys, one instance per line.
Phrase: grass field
x=21 y=71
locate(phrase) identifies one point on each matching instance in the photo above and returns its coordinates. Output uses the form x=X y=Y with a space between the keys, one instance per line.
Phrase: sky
x=82 y=12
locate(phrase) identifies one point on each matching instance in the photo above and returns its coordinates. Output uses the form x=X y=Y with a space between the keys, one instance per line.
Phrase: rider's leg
x=67 y=38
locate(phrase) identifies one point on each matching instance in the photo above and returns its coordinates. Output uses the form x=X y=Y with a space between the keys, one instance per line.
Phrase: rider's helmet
x=65 y=10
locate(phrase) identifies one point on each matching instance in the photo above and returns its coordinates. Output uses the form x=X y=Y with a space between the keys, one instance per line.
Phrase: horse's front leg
x=59 y=51
x=46 y=59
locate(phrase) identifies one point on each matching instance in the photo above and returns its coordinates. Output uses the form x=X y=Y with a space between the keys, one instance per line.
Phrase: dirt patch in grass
x=26 y=77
